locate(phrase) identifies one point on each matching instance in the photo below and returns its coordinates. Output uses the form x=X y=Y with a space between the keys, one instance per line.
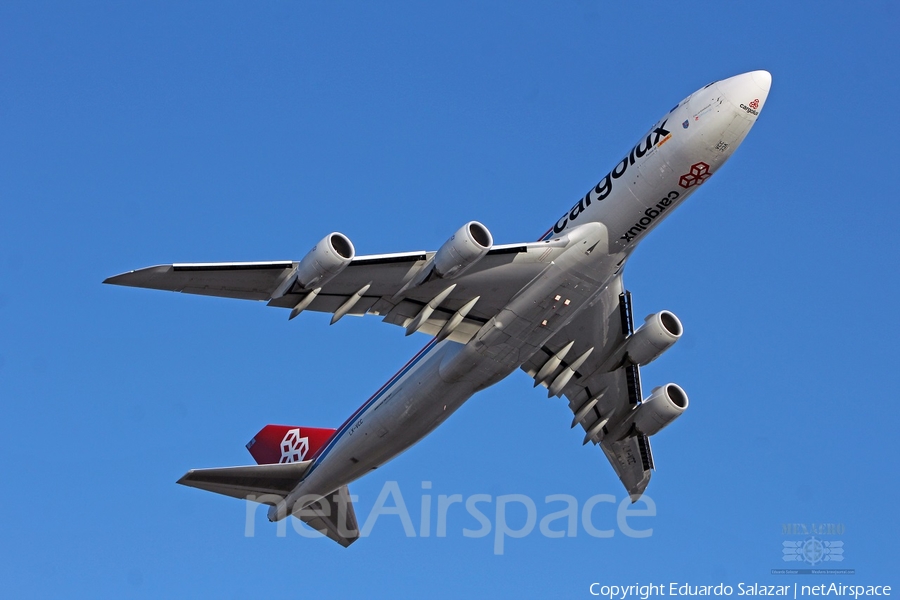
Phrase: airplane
x=556 y=308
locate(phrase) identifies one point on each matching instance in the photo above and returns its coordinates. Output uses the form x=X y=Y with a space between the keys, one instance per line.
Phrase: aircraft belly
x=450 y=373
x=536 y=313
x=410 y=410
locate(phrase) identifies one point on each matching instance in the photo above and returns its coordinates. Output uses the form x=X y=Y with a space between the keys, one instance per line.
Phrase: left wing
x=372 y=284
x=603 y=389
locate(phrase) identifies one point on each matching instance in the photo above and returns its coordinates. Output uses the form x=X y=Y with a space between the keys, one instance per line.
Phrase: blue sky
x=145 y=133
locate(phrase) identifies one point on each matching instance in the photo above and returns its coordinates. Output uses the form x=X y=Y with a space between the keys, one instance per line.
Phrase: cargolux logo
x=752 y=109
x=658 y=136
x=293 y=447
x=698 y=174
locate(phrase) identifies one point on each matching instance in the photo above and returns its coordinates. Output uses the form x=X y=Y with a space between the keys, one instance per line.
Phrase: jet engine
x=464 y=248
x=657 y=334
x=327 y=258
x=665 y=404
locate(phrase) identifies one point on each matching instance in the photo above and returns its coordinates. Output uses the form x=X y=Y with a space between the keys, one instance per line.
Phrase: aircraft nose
x=748 y=91
x=763 y=79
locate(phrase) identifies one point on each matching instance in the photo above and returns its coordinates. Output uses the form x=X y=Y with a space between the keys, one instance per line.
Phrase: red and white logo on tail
x=287 y=443
x=293 y=447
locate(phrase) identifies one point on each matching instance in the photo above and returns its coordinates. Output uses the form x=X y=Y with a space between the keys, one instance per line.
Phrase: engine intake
x=665 y=404
x=327 y=258
x=658 y=333
x=464 y=248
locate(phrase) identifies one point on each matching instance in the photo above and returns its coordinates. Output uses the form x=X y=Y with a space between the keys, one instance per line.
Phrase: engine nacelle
x=327 y=258
x=657 y=334
x=665 y=404
x=464 y=248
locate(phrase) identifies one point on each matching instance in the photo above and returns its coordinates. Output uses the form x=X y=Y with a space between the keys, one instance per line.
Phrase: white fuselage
x=667 y=165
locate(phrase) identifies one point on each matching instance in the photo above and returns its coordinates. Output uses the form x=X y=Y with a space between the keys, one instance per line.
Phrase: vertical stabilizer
x=287 y=443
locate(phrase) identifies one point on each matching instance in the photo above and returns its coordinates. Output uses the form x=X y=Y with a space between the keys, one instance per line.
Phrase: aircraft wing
x=603 y=390
x=368 y=285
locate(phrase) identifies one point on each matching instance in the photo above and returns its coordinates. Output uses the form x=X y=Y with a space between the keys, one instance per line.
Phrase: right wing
x=369 y=284
x=604 y=389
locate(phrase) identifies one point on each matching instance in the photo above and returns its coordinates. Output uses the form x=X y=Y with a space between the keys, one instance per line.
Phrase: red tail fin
x=286 y=443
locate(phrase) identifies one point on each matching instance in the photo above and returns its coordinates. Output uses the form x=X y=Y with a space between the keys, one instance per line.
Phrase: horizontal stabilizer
x=257 y=480
x=334 y=517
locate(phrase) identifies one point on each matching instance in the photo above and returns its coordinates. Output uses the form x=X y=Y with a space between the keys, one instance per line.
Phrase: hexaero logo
x=293 y=447
x=813 y=551
x=698 y=174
